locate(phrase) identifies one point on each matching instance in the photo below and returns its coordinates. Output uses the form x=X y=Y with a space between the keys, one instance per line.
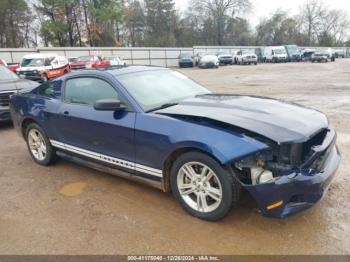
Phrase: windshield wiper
x=162 y=107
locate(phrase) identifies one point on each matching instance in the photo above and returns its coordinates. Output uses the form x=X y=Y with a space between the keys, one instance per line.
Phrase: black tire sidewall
x=225 y=178
x=50 y=151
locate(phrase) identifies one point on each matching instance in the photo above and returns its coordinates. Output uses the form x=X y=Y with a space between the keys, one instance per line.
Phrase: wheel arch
x=169 y=160
x=25 y=123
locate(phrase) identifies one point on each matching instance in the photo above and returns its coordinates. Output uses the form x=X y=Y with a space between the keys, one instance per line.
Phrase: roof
x=118 y=71
x=133 y=69
x=39 y=55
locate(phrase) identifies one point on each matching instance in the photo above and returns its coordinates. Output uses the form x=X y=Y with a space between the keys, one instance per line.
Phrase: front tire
x=39 y=145
x=202 y=187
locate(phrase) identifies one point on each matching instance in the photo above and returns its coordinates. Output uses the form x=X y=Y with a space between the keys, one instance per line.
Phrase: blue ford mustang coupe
x=157 y=126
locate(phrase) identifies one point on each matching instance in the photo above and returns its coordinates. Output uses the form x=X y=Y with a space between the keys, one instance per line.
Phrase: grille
x=28 y=73
x=5 y=98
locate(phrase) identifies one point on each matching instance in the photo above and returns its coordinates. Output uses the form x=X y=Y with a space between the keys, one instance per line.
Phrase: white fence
x=158 y=56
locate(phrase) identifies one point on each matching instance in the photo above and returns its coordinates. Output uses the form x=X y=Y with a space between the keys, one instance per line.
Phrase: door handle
x=66 y=113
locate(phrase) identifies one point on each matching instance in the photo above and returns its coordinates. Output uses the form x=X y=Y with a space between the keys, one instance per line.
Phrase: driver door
x=89 y=132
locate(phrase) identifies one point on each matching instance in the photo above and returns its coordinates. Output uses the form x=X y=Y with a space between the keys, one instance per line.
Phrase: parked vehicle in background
x=197 y=58
x=185 y=60
x=72 y=59
x=89 y=62
x=225 y=58
x=209 y=61
x=246 y=57
x=275 y=54
x=10 y=84
x=339 y=53
x=158 y=126
x=321 y=56
x=306 y=54
x=259 y=52
x=293 y=53
x=43 y=67
x=115 y=60
x=10 y=66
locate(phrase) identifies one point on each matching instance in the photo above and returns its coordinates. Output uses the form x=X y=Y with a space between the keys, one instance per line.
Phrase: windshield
x=185 y=56
x=279 y=51
x=33 y=62
x=152 y=89
x=85 y=59
x=72 y=59
x=7 y=75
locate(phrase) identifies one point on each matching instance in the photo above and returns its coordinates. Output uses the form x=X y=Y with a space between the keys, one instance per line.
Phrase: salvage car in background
x=259 y=52
x=293 y=53
x=209 y=61
x=185 y=60
x=157 y=126
x=225 y=58
x=115 y=61
x=246 y=57
x=306 y=54
x=321 y=56
x=10 y=84
x=43 y=67
x=339 y=53
x=275 y=54
x=89 y=62
x=10 y=66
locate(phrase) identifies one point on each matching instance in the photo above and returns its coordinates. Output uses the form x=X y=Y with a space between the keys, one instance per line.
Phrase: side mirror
x=109 y=105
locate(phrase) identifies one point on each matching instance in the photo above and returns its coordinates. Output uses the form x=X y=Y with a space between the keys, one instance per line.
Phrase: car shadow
x=6 y=125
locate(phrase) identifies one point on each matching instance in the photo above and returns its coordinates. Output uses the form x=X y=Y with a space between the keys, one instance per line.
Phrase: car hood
x=30 y=68
x=276 y=120
x=245 y=55
x=16 y=85
x=79 y=63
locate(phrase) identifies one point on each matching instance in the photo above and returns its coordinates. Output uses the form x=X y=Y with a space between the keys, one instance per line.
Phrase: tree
x=218 y=13
x=160 y=23
x=135 y=21
x=311 y=14
x=105 y=18
x=14 y=23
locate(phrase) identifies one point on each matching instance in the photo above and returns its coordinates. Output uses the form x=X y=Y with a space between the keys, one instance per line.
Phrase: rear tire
x=202 y=186
x=39 y=145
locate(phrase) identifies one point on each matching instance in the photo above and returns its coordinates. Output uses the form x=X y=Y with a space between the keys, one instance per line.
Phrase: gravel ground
x=68 y=209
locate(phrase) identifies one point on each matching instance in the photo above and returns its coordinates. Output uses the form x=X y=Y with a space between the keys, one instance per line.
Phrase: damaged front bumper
x=299 y=189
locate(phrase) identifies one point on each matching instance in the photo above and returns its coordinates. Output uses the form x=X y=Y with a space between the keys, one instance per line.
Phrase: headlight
x=256 y=169
x=89 y=66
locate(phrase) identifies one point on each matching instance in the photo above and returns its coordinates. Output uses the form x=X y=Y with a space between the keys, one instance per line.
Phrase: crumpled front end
x=282 y=189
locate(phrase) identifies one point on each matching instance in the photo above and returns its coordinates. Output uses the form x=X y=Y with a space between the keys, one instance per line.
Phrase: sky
x=263 y=8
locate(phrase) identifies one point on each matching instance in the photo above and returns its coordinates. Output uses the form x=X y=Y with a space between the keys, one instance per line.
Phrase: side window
x=87 y=90
x=47 y=89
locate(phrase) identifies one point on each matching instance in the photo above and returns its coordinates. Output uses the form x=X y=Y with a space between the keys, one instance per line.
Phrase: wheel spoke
x=186 y=189
x=202 y=202
x=188 y=170
x=214 y=193
x=40 y=154
x=208 y=177
x=204 y=172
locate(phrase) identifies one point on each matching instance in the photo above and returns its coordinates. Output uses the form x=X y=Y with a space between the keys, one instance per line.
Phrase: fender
x=162 y=135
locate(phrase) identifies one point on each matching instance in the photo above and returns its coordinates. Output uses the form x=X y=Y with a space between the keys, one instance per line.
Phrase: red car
x=12 y=66
x=87 y=62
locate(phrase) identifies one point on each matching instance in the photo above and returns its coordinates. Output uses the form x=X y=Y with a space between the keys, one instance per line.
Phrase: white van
x=42 y=67
x=275 y=54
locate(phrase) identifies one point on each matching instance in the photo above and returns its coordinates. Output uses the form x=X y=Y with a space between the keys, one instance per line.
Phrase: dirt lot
x=67 y=209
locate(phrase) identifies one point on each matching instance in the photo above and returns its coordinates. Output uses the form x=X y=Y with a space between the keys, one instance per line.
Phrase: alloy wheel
x=199 y=187
x=37 y=144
